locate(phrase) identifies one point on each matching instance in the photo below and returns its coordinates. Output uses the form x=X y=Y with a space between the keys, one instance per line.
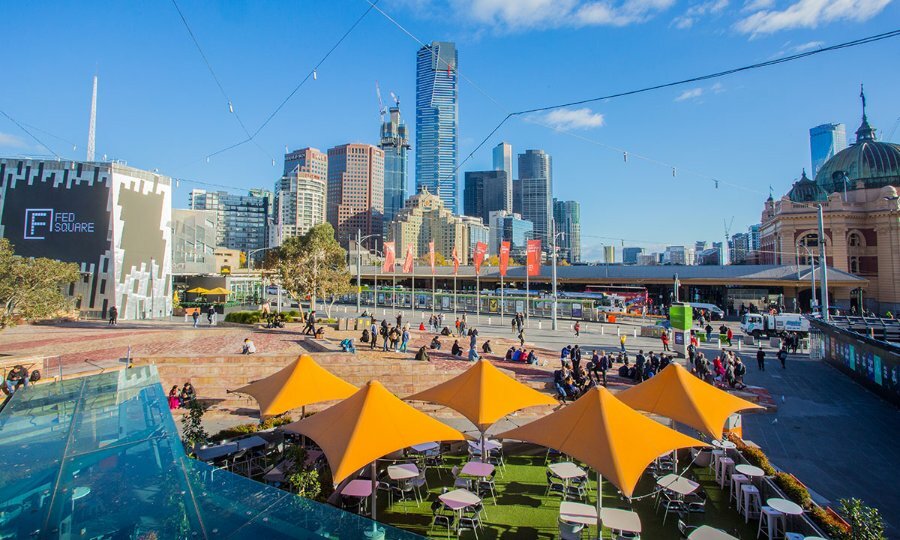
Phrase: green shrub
x=242 y=430
x=794 y=490
x=243 y=317
x=831 y=526
x=293 y=313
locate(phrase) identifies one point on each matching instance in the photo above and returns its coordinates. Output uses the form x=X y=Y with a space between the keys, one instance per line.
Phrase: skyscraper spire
x=93 y=125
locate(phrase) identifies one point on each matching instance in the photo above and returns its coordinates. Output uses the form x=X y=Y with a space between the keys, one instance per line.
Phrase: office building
x=700 y=245
x=536 y=184
x=649 y=259
x=395 y=143
x=678 y=255
x=740 y=247
x=509 y=227
x=609 y=254
x=242 y=221
x=503 y=161
x=193 y=241
x=437 y=121
x=300 y=204
x=355 y=201
x=476 y=231
x=753 y=231
x=308 y=160
x=567 y=215
x=824 y=142
x=486 y=192
x=708 y=257
x=111 y=220
x=425 y=219
x=630 y=254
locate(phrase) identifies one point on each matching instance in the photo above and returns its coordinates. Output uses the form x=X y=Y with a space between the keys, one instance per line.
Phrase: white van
x=714 y=310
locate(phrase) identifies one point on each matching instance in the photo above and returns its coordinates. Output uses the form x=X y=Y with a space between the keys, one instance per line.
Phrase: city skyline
x=198 y=122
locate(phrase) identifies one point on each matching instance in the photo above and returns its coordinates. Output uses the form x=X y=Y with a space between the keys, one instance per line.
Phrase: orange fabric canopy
x=303 y=382
x=484 y=394
x=368 y=425
x=614 y=439
x=678 y=395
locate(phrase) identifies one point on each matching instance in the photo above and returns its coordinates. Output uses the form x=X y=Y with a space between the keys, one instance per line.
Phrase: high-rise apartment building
x=630 y=254
x=609 y=254
x=355 y=199
x=536 y=184
x=425 y=219
x=193 y=241
x=507 y=227
x=395 y=143
x=486 y=192
x=300 y=204
x=503 y=161
x=678 y=255
x=753 y=231
x=242 y=221
x=824 y=142
x=567 y=215
x=700 y=245
x=476 y=231
x=437 y=121
x=740 y=247
x=307 y=160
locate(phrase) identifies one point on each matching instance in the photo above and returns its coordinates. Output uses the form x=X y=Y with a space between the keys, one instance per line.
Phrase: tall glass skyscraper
x=536 y=185
x=503 y=161
x=395 y=143
x=437 y=121
x=567 y=215
x=824 y=142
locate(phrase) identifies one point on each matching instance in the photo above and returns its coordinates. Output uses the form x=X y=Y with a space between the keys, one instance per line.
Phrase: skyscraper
x=507 y=227
x=740 y=247
x=241 y=220
x=308 y=160
x=567 y=215
x=630 y=254
x=437 y=120
x=300 y=204
x=355 y=191
x=485 y=192
x=395 y=143
x=536 y=184
x=503 y=161
x=424 y=219
x=609 y=254
x=753 y=231
x=824 y=142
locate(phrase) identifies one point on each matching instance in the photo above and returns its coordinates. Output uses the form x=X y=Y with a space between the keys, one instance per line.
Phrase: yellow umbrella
x=614 y=439
x=198 y=290
x=218 y=290
x=366 y=426
x=484 y=394
x=303 y=382
x=678 y=395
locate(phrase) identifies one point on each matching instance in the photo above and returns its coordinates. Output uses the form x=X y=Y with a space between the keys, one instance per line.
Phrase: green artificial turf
x=523 y=511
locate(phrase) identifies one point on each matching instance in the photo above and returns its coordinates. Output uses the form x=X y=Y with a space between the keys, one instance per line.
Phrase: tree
x=865 y=521
x=314 y=265
x=192 y=426
x=32 y=289
x=242 y=260
x=439 y=260
x=301 y=477
x=493 y=260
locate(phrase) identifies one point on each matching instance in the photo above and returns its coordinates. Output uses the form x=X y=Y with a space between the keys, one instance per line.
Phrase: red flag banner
x=504 y=258
x=534 y=257
x=408 y=263
x=389 y=257
x=480 y=252
x=455 y=261
x=431 y=255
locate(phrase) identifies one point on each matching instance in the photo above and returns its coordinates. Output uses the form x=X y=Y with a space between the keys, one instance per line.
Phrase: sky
x=159 y=106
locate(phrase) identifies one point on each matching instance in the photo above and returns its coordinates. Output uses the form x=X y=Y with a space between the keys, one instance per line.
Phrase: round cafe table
x=724 y=445
x=677 y=484
x=749 y=470
x=705 y=532
x=404 y=471
x=786 y=507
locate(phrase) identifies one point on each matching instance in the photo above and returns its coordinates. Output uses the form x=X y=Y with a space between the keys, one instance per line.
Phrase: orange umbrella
x=303 y=382
x=678 y=395
x=484 y=394
x=614 y=439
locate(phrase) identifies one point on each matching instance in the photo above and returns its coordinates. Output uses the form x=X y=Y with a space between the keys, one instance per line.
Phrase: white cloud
x=693 y=93
x=516 y=15
x=808 y=46
x=756 y=5
x=568 y=119
x=689 y=17
x=717 y=88
x=809 y=14
x=12 y=141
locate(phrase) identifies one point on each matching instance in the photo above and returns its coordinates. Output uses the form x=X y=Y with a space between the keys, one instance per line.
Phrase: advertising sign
x=534 y=258
x=480 y=252
x=577 y=311
x=504 y=257
x=389 y=256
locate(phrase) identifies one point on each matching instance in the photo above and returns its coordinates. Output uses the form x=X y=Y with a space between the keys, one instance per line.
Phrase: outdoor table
x=489 y=445
x=459 y=499
x=749 y=470
x=214 y=452
x=573 y=512
x=705 y=532
x=786 y=507
x=677 y=484
x=724 y=445
x=404 y=471
x=425 y=447
x=251 y=442
x=620 y=520
x=357 y=488
x=276 y=473
x=566 y=470
x=477 y=468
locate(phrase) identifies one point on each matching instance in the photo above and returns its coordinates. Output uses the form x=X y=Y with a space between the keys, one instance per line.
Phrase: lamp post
x=812 y=275
x=359 y=239
x=823 y=264
x=553 y=247
x=265 y=292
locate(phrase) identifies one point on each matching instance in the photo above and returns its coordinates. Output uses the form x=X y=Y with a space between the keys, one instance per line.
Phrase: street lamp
x=264 y=293
x=553 y=247
x=812 y=274
x=359 y=239
x=823 y=264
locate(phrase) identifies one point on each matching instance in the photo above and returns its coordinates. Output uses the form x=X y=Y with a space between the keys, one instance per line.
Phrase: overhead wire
x=30 y=134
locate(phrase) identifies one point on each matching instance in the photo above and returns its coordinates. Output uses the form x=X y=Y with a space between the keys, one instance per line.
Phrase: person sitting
x=187 y=394
x=473 y=355
x=249 y=347
x=422 y=355
x=445 y=331
x=435 y=343
x=347 y=346
x=421 y=327
x=532 y=358
x=456 y=350
x=16 y=377
x=509 y=354
x=174 y=401
x=560 y=382
x=517 y=356
x=486 y=347
x=320 y=332
x=365 y=336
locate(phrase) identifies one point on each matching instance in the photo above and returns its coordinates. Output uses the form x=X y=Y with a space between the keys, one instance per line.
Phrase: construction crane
x=724 y=255
x=381 y=108
x=396 y=99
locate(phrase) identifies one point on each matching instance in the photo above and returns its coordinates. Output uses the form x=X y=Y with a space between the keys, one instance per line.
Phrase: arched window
x=854 y=240
x=808 y=245
x=854 y=265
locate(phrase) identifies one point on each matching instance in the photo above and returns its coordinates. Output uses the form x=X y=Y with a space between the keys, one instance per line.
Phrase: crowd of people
x=19 y=377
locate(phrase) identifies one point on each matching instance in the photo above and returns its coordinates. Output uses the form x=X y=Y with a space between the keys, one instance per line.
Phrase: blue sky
x=160 y=108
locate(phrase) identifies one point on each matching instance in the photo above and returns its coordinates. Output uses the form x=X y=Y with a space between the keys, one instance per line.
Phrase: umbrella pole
x=483 y=457
x=599 y=504
x=303 y=437
x=374 y=496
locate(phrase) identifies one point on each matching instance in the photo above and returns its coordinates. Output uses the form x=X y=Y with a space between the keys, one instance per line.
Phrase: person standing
x=665 y=340
x=404 y=340
x=782 y=356
x=761 y=359
x=622 y=339
x=514 y=322
x=196 y=317
x=210 y=313
x=373 y=332
x=709 y=330
x=113 y=316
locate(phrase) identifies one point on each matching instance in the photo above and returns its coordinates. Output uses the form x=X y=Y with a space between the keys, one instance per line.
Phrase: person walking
x=622 y=339
x=196 y=317
x=514 y=322
x=577 y=328
x=761 y=359
x=210 y=313
x=521 y=337
x=782 y=356
x=113 y=316
x=665 y=340
x=729 y=334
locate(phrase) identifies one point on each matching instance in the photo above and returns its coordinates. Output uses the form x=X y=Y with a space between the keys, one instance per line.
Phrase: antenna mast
x=93 y=126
